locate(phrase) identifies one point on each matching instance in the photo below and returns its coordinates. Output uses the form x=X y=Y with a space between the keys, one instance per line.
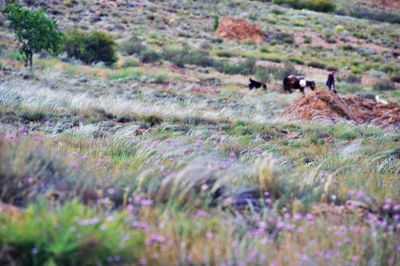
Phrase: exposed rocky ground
x=239 y=29
x=323 y=104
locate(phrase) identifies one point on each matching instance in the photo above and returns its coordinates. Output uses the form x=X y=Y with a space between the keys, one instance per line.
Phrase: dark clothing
x=330 y=83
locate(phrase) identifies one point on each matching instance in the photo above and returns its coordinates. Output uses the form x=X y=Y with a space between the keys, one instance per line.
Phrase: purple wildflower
x=201 y=213
x=136 y=199
x=34 y=251
x=30 y=180
x=297 y=217
x=143 y=261
x=111 y=191
x=146 y=202
x=310 y=217
x=74 y=165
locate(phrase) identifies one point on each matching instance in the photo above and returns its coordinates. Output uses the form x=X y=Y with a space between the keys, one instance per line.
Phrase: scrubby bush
x=395 y=78
x=34 y=30
x=91 y=47
x=245 y=68
x=182 y=57
x=307 y=39
x=352 y=79
x=316 y=64
x=280 y=37
x=224 y=54
x=262 y=74
x=316 y=5
x=384 y=85
x=371 y=14
x=130 y=62
x=277 y=58
x=288 y=69
x=132 y=46
x=149 y=56
x=216 y=23
x=297 y=61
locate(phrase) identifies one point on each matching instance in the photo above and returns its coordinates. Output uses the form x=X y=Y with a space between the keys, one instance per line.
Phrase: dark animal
x=256 y=84
x=330 y=82
x=292 y=82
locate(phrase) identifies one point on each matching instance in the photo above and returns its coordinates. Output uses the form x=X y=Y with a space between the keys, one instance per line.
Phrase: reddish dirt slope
x=386 y=3
x=239 y=29
x=323 y=104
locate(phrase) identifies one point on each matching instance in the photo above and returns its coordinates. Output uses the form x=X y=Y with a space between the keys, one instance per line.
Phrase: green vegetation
x=90 y=47
x=68 y=235
x=167 y=158
x=34 y=30
x=215 y=23
x=316 y=5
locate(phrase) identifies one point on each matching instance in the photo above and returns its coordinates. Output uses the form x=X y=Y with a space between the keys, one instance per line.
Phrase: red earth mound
x=323 y=104
x=239 y=29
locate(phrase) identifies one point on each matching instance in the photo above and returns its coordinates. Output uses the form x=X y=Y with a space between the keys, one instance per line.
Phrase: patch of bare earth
x=239 y=29
x=385 y=3
x=326 y=105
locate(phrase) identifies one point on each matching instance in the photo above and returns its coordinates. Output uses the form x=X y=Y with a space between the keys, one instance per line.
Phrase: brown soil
x=386 y=3
x=323 y=104
x=239 y=29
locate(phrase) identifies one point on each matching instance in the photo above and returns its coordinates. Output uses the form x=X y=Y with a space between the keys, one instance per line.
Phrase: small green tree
x=34 y=30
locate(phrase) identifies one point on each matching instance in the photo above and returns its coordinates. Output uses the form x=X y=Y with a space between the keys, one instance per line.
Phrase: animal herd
x=290 y=83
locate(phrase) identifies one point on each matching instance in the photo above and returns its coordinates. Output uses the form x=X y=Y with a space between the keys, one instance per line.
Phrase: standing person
x=330 y=83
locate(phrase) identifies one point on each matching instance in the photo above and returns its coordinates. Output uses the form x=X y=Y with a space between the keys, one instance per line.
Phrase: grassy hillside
x=166 y=157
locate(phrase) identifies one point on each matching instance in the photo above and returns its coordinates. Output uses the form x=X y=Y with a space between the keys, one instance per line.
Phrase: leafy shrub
x=92 y=47
x=316 y=5
x=34 y=30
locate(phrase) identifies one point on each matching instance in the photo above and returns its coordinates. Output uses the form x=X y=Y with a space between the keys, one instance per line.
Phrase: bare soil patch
x=323 y=104
x=239 y=29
